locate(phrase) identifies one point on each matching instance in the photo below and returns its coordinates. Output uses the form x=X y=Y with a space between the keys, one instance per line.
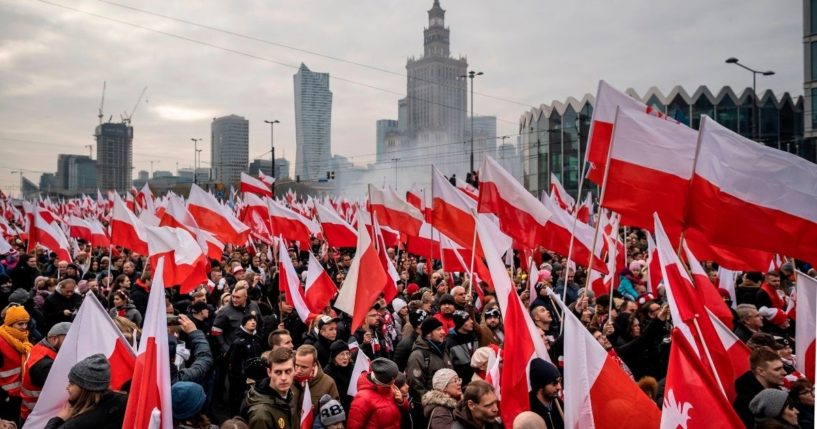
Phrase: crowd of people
x=241 y=356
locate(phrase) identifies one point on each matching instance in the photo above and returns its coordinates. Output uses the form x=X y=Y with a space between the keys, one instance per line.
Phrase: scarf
x=17 y=339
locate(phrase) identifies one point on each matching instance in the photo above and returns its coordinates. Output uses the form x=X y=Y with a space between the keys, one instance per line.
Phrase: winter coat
x=202 y=360
x=746 y=387
x=342 y=376
x=227 y=324
x=264 y=408
x=460 y=348
x=54 y=309
x=23 y=276
x=321 y=384
x=403 y=350
x=129 y=312
x=438 y=408
x=321 y=344
x=424 y=361
x=374 y=407
x=464 y=420
x=108 y=414
x=245 y=346
x=551 y=416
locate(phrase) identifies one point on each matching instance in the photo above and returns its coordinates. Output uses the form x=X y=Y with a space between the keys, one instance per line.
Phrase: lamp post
x=471 y=75
x=195 y=158
x=733 y=60
x=272 y=146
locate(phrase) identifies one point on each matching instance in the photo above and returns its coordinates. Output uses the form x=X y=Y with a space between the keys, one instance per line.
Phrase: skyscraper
x=114 y=155
x=386 y=128
x=313 y=124
x=229 y=148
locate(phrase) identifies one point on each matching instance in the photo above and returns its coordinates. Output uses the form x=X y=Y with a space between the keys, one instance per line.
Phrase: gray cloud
x=53 y=62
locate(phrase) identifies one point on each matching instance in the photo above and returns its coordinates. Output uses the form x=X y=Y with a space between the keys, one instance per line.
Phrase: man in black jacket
x=403 y=348
x=546 y=383
x=766 y=372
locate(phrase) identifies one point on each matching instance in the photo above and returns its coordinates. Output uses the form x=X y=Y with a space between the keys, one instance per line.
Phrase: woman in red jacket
x=378 y=403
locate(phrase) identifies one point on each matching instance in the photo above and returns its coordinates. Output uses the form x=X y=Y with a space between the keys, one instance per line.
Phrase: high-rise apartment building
x=313 y=124
x=229 y=148
x=263 y=165
x=114 y=156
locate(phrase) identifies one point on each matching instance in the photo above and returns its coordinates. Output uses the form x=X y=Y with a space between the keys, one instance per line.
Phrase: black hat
x=337 y=347
x=429 y=325
x=542 y=373
x=384 y=371
x=198 y=307
x=417 y=316
x=447 y=299
x=460 y=317
x=324 y=320
x=247 y=318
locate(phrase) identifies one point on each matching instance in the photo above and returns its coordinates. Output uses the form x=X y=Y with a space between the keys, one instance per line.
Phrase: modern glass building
x=229 y=148
x=313 y=124
x=554 y=137
x=810 y=69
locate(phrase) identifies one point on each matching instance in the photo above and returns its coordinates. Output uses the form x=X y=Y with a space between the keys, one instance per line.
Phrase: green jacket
x=264 y=408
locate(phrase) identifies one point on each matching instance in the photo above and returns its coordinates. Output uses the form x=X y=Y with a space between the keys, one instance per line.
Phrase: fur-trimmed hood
x=434 y=398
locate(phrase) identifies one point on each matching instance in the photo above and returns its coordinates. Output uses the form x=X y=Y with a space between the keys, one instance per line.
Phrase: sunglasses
x=492 y=314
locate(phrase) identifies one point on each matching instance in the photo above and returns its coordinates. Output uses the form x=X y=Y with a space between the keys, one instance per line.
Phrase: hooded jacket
x=109 y=413
x=129 y=312
x=438 y=409
x=423 y=362
x=374 y=406
x=264 y=408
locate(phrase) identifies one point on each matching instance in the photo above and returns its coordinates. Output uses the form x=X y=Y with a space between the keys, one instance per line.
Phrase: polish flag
x=736 y=349
x=176 y=215
x=524 y=341
x=130 y=203
x=735 y=176
x=559 y=195
x=601 y=127
x=691 y=397
x=806 y=324
x=307 y=411
x=653 y=266
x=255 y=214
x=395 y=212
x=726 y=280
x=185 y=263
x=424 y=243
x=126 y=229
x=712 y=299
x=364 y=281
x=557 y=236
x=319 y=288
x=597 y=392
x=416 y=196
x=362 y=364
x=89 y=230
x=465 y=188
x=252 y=185
x=453 y=256
x=144 y=198
x=268 y=180
x=149 y=400
x=49 y=236
x=5 y=247
x=290 y=225
x=690 y=316
x=290 y=283
x=391 y=236
x=585 y=213
x=521 y=215
x=390 y=289
x=92 y=331
x=338 y=232
x=216 y=219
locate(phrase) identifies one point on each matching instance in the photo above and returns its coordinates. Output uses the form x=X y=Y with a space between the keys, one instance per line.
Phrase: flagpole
x=573 y=229
x=110 y=262
x=689 y=185
x=708 y=355
x=473 y=254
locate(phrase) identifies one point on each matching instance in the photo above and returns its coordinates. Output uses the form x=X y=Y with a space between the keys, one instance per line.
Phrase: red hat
x=237 y=268
x=412 y=288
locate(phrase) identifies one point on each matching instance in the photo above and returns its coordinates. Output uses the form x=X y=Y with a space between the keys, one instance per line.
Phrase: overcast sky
x=53 y=62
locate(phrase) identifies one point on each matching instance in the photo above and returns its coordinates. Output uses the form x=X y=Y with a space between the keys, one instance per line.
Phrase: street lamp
x=733 y=60
x=272 y=146
x=195 y=156
x=471 y=75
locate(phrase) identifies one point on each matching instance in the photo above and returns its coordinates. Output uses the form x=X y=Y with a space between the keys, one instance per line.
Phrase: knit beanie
x=417 y=317
x=460 y=317
x=768 y=403
x=19 y=296
x=542 y=373
x=61 y=328
x=92 y=373
x=442 y=377
x=337 y=347
x=188 y=399
x=331 y=411
x=384 y=371
x=15 y=314
x=429 y=325
x=398 y=304
x=482 y=356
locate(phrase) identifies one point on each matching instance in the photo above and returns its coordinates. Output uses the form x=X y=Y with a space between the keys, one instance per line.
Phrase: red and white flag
x=712 y=299
x=692 y=399
x=320 y=289
x=390 y=289
x=365 y=280
x=557 y=238
x=149 y=401
x=764 y=198
x=338 y=232
x=394 y=211
x=92 y=331
x=291 y=225
x=185 y=262
x=48 y=235
x=268 y=180
x=126 y=229
x=559 y=195
x=521 y=215
x=88 y=230
x=585 y=213
x=524 y=340
x=362 y=364
x=213 y=217
x=307 y=410
x=806 y=324
x=290 y=283
x=255 y=186
x=597 y=391
x=653 y=266
x=177 y=216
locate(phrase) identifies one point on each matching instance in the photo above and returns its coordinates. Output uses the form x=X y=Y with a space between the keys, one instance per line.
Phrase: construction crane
x=152 y=161
x=90 y=150
x=127 y=117
x=102 y=103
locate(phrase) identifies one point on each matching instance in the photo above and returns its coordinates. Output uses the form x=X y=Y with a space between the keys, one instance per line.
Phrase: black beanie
x=416 y=317
x=429 y=325
x=337 y=347
x=542 y=373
